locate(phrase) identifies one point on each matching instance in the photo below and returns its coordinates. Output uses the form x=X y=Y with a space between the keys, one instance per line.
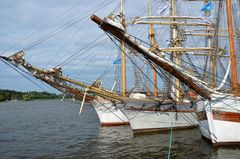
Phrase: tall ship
x=101 y=98
x=145 y=109
x=159 y=110
x=215 y=79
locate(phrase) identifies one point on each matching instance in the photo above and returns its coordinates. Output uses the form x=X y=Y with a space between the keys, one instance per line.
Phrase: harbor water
x=54 y=129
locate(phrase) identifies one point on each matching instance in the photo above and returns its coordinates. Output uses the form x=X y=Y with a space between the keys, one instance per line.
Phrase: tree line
x=7 y=95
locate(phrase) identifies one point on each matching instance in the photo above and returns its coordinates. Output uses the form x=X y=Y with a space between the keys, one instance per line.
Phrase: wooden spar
x=77 y=93
x=120 y=35
x=123 y=48
x=36 y=72
x=211 y=29
x=172 y=23
x=101 y=92
x=232 y=48
x=207 y=54
x=152 y=36
x=176 y=55
x=184 y=49
x=206 y=34
x=61 y=87
x=168 y=17
x=209 y=44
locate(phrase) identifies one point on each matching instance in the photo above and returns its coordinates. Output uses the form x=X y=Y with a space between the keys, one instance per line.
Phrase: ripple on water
x=50 y=129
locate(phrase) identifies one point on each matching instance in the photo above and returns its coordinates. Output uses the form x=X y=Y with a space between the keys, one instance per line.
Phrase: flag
x=117 y=61
x=207 y=7
x=164 y=10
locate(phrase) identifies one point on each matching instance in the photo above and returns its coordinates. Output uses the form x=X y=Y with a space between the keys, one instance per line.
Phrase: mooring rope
x=170 y=144
x=170 y=140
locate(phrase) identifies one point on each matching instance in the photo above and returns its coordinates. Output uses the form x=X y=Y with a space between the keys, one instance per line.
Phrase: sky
x=24 y=22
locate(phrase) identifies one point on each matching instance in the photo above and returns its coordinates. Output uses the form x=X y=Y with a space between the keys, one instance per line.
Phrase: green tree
x=26 y=97
x=2 y=98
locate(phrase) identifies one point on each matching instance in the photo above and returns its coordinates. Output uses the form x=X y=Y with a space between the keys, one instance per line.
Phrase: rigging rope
x=58 y=53
x=41 y=27
x=65 y=26
x=218 y=78
x=16 y=69
x=72 y=57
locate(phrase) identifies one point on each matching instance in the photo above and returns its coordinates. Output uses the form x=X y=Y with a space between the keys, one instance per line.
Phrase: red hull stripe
x=157 y=110
x=226 y=116
x=114 y=123
x=219 y=115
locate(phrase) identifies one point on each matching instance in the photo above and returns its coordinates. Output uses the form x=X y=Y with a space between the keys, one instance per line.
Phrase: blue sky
x=19 y=19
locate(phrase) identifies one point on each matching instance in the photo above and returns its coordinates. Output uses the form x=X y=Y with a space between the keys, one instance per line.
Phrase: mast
x=153 y=44
x=123 y=48
x=176 y=55
x=232 y=48
x=212 y=66
x=161 y=62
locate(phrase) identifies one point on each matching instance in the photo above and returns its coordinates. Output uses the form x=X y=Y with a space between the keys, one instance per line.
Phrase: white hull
x=159 y=120
x=149 y=121
x=219 y=121
x=108 y=114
